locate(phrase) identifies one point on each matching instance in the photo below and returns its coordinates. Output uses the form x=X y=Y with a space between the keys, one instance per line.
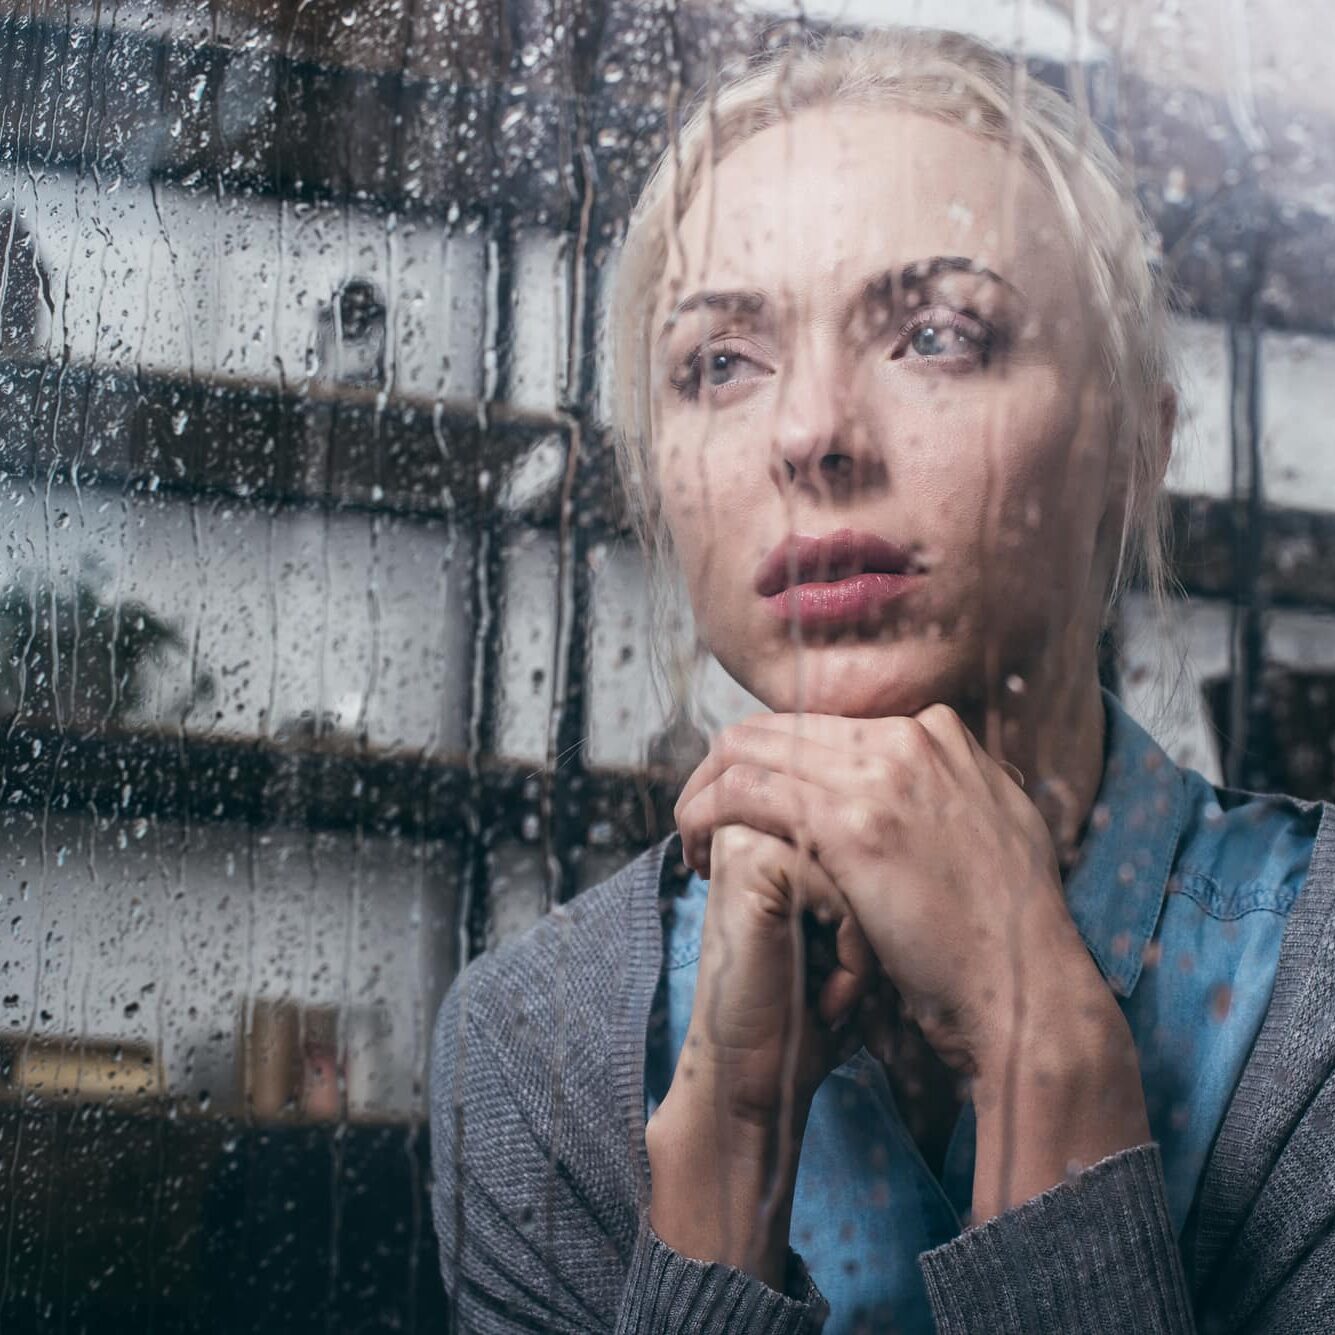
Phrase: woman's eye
x=718 y=365
x=935 y=340
x=713 y=370
x=958 y=339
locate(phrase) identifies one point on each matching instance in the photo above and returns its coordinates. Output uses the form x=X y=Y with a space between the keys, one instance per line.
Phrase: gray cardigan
x=541 y=1178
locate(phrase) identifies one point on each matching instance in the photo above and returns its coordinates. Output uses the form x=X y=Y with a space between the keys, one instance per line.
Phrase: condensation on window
x=329 y=657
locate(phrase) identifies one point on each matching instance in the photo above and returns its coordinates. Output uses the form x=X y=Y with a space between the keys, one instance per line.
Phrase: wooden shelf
x=126 y=775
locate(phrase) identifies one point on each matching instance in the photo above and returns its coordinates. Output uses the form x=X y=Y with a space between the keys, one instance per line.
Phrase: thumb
x=853 y=974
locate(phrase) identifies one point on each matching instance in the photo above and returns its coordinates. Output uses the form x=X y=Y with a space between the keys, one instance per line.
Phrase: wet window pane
x=330 y=659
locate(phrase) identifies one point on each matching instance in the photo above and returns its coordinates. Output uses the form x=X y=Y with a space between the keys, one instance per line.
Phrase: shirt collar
x=1116 y=888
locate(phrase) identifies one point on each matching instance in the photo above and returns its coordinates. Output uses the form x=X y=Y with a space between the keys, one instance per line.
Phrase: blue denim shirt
x=1181 y=893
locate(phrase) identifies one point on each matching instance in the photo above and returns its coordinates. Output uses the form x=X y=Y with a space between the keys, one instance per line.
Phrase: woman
x=973 y=1012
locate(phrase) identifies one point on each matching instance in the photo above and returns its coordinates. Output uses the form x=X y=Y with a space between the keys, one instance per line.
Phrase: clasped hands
x=936 y=883
x=934 y=871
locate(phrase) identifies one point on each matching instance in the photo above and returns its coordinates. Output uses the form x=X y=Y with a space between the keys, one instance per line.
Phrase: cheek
x=1067 y=468
x=713 y=500
x=1006 y=468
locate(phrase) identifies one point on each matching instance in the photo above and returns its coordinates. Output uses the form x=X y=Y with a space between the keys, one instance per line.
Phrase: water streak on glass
x=329 y=657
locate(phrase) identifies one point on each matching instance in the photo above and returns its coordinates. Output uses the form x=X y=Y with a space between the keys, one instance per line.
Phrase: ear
x=1167 y=404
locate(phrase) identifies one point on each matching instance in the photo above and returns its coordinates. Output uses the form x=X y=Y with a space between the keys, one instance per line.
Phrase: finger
x=878 y=1019
x=887 y=761
x=950 y=732
x=957 y=739
x=771 y=749
x=839 y=997
x=842 y=733
x=897 y=737
x=833 y=730
x=763 y=799
x=850 y=979
x=856 y=957
x=798 y=881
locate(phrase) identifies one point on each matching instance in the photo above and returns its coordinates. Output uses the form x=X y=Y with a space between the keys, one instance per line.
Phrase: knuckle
x=862 y=820
x=735 y=840
x=730 y=742
x=908 y=741
x=940 y=716
x=742 y=781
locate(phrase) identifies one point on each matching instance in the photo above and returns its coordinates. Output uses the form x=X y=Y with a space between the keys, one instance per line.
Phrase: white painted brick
x=344 y=615
x=1304 y=641
x=541 y=310
x=1298 y=416
x=1201 y=460
x=626 y=701
x=178 y=927
x=1166 y=662
x=526 y=604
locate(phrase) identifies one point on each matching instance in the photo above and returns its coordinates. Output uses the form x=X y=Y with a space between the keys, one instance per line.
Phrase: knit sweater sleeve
x=523 y=1244
x=668 y=1292
x=1096 y=1253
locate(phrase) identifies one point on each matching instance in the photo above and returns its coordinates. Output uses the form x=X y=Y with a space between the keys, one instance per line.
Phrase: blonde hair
x=961 y=81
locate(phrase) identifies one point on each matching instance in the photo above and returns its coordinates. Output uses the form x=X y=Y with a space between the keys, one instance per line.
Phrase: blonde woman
x=953 y=1003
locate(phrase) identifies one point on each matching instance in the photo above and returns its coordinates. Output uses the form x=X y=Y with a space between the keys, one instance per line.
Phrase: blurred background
x=324 y=657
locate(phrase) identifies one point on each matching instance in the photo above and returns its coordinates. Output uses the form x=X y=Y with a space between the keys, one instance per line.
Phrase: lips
x=803 y=559
x=841 y=582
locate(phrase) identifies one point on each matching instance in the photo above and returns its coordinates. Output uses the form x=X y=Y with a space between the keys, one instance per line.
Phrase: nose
x=821 y=443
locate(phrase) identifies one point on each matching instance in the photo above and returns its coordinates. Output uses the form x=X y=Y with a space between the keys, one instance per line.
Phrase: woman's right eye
x=714 y=367
x=719 y=364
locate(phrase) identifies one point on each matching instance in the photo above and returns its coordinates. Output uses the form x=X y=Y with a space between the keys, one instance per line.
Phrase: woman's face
x=880 y=445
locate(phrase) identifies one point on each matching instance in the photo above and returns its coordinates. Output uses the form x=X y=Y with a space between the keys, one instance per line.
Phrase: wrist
x=692 y=1122
x=1066 y=1027
x=693 y=1131
x=752 y=1093
x=1068 y=1097
x=722 y=1187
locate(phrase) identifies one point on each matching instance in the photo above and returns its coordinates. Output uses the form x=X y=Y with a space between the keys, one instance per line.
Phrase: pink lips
x=838 y=579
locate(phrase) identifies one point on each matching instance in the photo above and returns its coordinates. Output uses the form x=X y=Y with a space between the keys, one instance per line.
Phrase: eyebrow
x=744 y=300
x=876 y=290
x=922 y=272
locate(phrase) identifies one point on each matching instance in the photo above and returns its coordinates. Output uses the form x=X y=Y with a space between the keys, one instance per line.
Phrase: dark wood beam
x=253 y=442
x=126 y=775
x=1296 y=561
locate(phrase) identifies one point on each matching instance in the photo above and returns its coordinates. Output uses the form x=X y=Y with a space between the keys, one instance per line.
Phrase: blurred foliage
x=72 y=657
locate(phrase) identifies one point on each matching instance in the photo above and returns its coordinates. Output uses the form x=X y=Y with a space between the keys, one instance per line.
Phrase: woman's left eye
x=947 y=338
x=932 y=341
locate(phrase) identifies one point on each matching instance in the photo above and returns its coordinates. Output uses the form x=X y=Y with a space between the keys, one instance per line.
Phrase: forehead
x=813 y=204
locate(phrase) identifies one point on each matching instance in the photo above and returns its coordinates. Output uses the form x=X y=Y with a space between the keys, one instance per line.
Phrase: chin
x=857 y=680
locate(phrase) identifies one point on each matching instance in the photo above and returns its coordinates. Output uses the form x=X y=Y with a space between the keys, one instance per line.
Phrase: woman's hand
x=947 y=866
x=783 y=965
x=950 y=872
